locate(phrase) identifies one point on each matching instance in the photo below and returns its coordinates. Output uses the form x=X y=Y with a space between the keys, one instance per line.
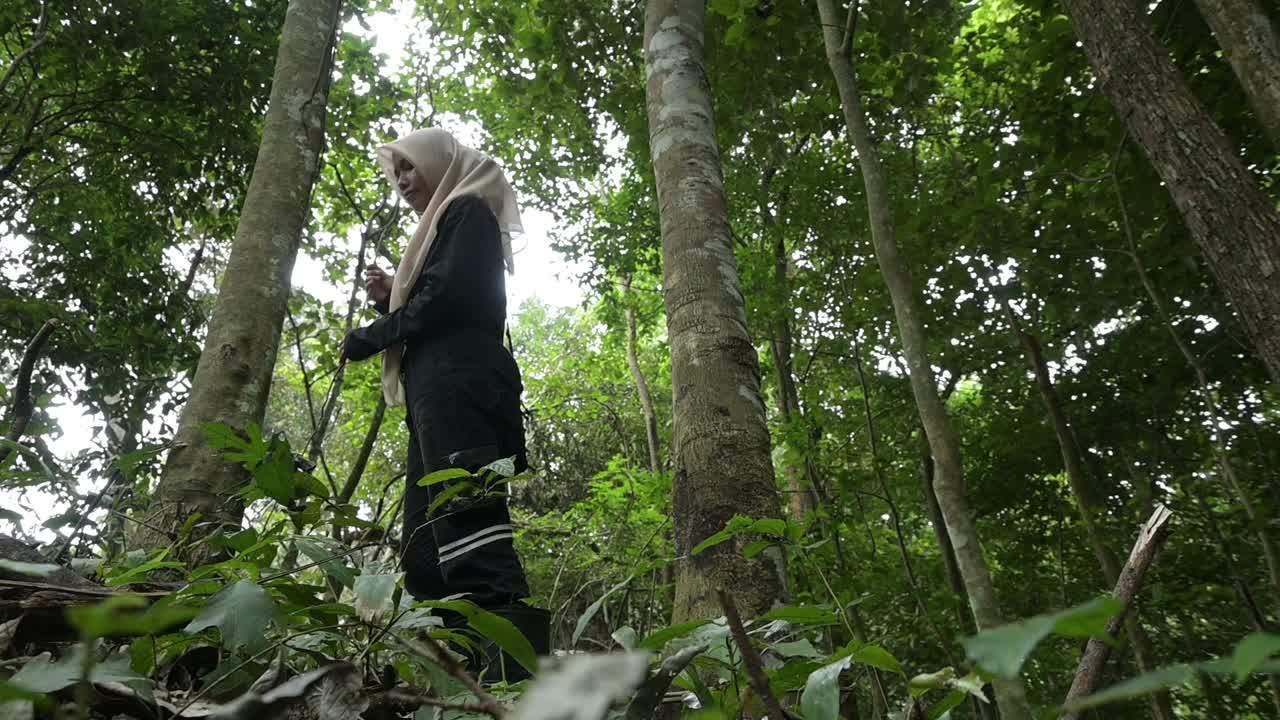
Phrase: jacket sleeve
x=468 y=250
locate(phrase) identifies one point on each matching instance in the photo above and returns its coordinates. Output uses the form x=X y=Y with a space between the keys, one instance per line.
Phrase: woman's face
x=412 y=186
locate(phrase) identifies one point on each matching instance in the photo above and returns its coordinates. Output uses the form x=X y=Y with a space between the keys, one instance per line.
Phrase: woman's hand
x=377 y=283
x=356 y=348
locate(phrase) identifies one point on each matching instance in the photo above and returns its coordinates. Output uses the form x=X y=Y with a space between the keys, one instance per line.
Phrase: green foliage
x=1011 y=182
x=1003 y=650
x=241 y=612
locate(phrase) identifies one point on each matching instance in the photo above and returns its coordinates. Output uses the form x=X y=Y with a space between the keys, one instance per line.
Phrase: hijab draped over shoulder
x=451 y=170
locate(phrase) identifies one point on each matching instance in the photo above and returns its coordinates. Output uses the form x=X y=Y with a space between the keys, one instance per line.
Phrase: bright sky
x=541 y=273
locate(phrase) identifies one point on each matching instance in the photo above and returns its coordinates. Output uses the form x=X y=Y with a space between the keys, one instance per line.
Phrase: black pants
x=464 y=546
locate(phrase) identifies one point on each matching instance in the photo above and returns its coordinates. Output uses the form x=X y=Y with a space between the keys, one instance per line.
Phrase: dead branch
x=1150 y=539
x=651 y=694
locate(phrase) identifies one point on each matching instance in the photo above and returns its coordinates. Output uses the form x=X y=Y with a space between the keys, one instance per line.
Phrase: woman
x=440 y=333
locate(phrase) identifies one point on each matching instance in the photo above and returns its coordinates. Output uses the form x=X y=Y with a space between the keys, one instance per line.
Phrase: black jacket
x=462 y=387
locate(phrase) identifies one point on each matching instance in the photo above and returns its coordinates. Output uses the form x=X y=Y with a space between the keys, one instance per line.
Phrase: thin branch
x=300 y=568
x=644 y=704
x=750 y=658
x=42 y=34
x=269 y=649
x=428 y=648
x=23 y=405
x=894 y=515
x=850 y=27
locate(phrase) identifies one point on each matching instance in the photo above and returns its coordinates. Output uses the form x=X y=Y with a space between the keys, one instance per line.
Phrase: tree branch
x=750 y=658
x=23 y=405
x=644 y=705
x=1150 y=539
x=433 y=651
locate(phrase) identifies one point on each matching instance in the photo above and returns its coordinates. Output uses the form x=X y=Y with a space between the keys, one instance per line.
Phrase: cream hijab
x=452 y=170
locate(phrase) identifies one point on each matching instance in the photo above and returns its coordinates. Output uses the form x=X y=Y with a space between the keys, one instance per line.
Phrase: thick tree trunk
x=1235 y=224
x=642 y=385
x=233 y=377
x=1251 y=45
x=1090 y=504
x=721 y=457
x=943 y=440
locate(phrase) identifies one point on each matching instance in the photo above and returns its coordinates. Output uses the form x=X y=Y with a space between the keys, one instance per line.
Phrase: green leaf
x=626 y=637
x=310 y=485
x=877 y=657
x=658 y=638
x=26 y=568
x=374 y=595
x=221 y=436
x=119 y=616
x=238 y=541
x=441 y=476
x=821 y=697
x=449 y=494
x=319 y=551
x=948 y=703
x=594 y=608
x=1252 y=652
x=803 y=615
x=138 y=574
x=10 y=515
x=241 y=612
x=62 y=520
x=1088 y=620
x=1144 y=684
x=923 y=683
x=498 y=629
x=797 y=648
x=276 y=478
x=740 y=525
x=128 y=463
x=752 y=549
x=43 y=675
x=506 y=467
x=1003 y=650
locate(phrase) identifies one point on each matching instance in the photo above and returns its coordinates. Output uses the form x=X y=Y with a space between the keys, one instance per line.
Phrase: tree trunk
x=1090 y=504
x=721 y=457
x=800 y=495
x=985 y=710
x=944 y=442
x=1251 y=45
x=642 y=385
x=1235 y=224
x=233 y=377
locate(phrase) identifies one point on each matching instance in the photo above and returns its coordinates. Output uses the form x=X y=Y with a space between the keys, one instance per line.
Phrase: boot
x=535 y=624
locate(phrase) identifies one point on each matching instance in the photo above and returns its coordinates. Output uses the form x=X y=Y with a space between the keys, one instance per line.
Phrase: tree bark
x=1235 y=224
x=642 y=385
x=1090 y=505
x=1251 y=45
x=1150 y=540
x=233 y=376
x=721 y=456
x=943 y=440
